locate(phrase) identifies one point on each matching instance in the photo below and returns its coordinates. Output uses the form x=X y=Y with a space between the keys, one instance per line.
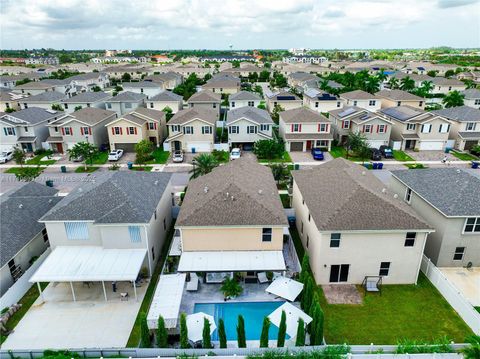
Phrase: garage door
x=431 y=146
x=296 y=146
x=127 y=147
x=376 y=143
x=199 y=147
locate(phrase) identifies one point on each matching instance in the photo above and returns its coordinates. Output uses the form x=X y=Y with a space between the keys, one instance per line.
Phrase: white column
x=73 y=292
x=40 y=291
x=135 y=290
x=104 y=291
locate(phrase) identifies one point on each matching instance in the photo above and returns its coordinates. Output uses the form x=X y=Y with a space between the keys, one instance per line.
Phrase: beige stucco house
x=353 y=228
x=319 y=101
x=448 y=200
x=361 y=99
x=166 y=99
x=43 y=100
x=247 y=125
x=391 y=98
x=284 y=99
x=443 y=85
x=206 y=99
x=125 y=102
x=33 y=88
x=223 y=84
x=472 y=98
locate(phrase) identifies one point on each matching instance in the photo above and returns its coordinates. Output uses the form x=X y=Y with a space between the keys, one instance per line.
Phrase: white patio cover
x=166 y=300
x=90 y=264
x=286 y=288
x=195 y=325
x=231 y=261
x=293 y=314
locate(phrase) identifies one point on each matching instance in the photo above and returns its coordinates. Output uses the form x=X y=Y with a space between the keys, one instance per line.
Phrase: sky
x=242 y=24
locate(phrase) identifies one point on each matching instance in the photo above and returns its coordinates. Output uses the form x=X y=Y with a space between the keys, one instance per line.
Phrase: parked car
x=376 y=155
x=235 y=154
x=317 y=154
x=115 y=155
x=77 y=159
x=386 y=151
x=177 y=156
x=6 y=156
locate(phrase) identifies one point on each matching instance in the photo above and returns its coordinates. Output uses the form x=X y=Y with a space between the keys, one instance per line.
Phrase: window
x=128 y=105
x=411 y=126
x=338 y=104
x=384 y=269
x=45 y=235
x=322 y=127
x=117 y=130
x=151 y=125
x=155 y=214
x=264 y=127
x=477 y=102
x=251 y=129
x=316 y=104
x=322 y=143
x=408 y=195
x=232 y=104
x=308 y=240
x=25 y=105
x=109 y=105
x=381 y=129
x=335 y=240
x=372 y=103
x=84 y=130
x=296 y=127
x=459 y=252
x=426 y=128
x=444 y=128
x=9 y=131
x=309 y=217
x=206 y=130
x=301 y=229
x=188 y=130
x=472 y=225
x=233 y=129
x=367 y=128
x=134 y=232
x=355 y=103
x=470 y=126
x=175 y=128
x=164 y=224
x=399 y=103
x=131 y=130
x=68 y=131
x=266 y=235
x=449 y=88
x=76 y=230
x=153 y=253
x=251 y=103
x=420 y=103
x=88 y=105
x=346 y=124
x=151 y=104
x=214 y=105
x=410 y=239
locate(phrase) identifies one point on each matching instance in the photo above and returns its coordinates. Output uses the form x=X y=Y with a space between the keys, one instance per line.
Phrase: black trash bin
x=49 y=183
x=63 y=169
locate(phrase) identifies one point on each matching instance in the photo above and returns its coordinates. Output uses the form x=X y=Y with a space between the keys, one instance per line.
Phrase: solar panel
x=285 y=98
x=364 y=117
x=347 y=112
x=326 y=96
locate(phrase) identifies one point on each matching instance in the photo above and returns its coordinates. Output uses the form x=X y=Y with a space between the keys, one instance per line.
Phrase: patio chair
x=262 y=277
x=192 y=286
x=124 y=296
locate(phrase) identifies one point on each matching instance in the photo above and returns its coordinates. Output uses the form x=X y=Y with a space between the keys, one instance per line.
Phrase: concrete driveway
x=431 y=155
x=306 y=157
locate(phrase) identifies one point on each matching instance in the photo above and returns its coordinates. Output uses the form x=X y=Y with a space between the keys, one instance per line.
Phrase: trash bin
x=374 y=165
x=193 y=149
x=448 y=149
x=475 y=164
x=49 y=183
x=130 y=165
x=296 y=166
x=380 y=165
x=63 y=169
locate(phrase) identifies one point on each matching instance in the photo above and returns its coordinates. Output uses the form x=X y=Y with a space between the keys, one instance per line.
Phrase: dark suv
x=386 y=151
x=376 y=154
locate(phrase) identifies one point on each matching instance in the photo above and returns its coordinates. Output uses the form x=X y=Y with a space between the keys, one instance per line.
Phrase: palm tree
x=453 y=99
x=372 y=85
x=203 y=164
x=407 y=84
x=393 y=83
x=381 y=76
x=324 y=84
x=426 y=87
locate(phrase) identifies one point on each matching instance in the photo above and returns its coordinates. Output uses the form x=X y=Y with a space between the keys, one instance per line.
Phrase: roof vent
x=395 y=195
x=20 y=205
x=458 y=171
x=155 y=183
x=205 y=189
x=233 y=198
x=363 y=173
x=384 y=190
x=260 y=191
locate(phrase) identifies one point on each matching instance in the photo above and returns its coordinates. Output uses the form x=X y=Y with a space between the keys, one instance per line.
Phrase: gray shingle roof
x=20 y=211
x=453 y=191
x=34 y=115
x=128 y=96
x=113 y=197
x=49 y=97
x=88 y=97
x=461 y=114
x=184 y=116
x=240 y=193
x=471 y=94
x=244 y=96
x=205 y=96
x=398 y=95
x=359 y=95
x=302 y=115
x=342 y=196
x=252 y=113
x=142 y=84
x=166 y=96
x=406 y=113
x=92 y=115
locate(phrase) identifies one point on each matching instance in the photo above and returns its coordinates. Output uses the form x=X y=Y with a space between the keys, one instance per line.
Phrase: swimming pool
x=253 y=313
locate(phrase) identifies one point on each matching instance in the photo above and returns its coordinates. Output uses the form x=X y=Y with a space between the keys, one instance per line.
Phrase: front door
x=309 y=145
x=60 y=147
x=409 y=144
x=339 y=273
x=177 y=145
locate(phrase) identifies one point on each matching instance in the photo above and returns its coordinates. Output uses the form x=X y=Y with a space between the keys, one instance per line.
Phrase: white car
x=6 y=156
x=177 y=156
x=235 y=154
x=115 y=155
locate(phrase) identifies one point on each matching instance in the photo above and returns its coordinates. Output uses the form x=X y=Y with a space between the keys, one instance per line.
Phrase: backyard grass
x=142 y=168
x=27 y=301
x=415 y=312
x=285 y=200
x=339 y=151
x=134 y=339
x=297 y=242
x=415 y=166
x=284 y=159
x=89 y=169
x=159 y=156
x=464 y=156
x=401 y=156
x=15 y=170
x=37 y=160
x=477 y=309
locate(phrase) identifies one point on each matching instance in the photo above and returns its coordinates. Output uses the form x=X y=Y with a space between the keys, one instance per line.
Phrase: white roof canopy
x=90 y=264
x=293 y=314
x=286 y=288
x=166 y=300
x=195 y=325
x=231 y=261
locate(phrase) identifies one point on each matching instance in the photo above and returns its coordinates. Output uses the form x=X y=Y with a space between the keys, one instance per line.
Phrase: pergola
x=90 y=264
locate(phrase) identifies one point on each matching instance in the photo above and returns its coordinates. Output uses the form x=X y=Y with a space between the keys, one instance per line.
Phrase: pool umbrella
x=286 y=288
x=195 y=325
x=293 y=314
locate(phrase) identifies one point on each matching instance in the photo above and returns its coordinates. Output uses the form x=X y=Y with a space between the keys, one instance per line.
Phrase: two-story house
x=168 y=80
x=85 y=99
x=391 y=98
x=26 y=129
x=166 y=99
x=148 y=88
x=64 y=86
x=206 y=99
x=447 y=198
x=361 y=99
x=91 y=79
x=375 y=128
x=84 y=125
x=303 y=129
x=465 y=129
x=9 y=100
x=43 y=100
x=244 y=98
x=319 y=101
x=415 y=129
x=284 y=99
x=353 y=228
x=141 y=124
x=33 y=88
x=125 y=102
x=472 y=98
x=247 y=125
x=223 y=84
x=192 y=130
x=442 y=85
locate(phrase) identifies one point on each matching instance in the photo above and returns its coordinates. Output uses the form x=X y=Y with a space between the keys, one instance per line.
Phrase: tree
x=432 y=73
x=269 y=149
x=305 y=268
x=126 y=77
x=279 y=171
x=206 y=338
x=77 y=108
x=183 y=331
x=473 y=350
x=282 y=330
x=258 y=89
x=242 y=342
x=307 y=293
x=145 y=341
x=57 y=107
x=96 y=89
x=393 y=83
x=407 y=84
x=231 y=288
x=222 y=336
x=85 y=150
x=372 y=84
x=27 y=174
x=453 y=99
x=300 y=339
x=162 y=334
x=357 y=143
x=19 y=156
x=143 y=151
x=168 y=112
x=425 y=88
x=264 y=76
x=316 y=326
x=253 y=77
x=449 y=73
x=203 y=164
x=262 y=106
x=264 y=334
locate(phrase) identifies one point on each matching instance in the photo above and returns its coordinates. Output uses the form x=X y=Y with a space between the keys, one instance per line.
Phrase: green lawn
x=284 y=159
x=142 y=168
x=36 y=161
x=477 y=309
x=401 y=156
x=27 y=300
x=15 y=170
x=285 y=200
x=415 y=166
x=134 y=339
x=90 y=169
x=339 y=151
x=221 y=156
x=464 y=156
x=100 y=159
x=159 y=156
x=401 y=312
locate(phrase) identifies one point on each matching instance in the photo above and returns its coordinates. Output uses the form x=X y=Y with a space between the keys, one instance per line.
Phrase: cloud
x=333 y=13
x=444 y=4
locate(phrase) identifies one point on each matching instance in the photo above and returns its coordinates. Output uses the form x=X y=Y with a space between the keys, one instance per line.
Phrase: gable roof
x=166 y=96
x=471 y=94
x=357 y=114
x=113 y=197
x=20 y=211
x=398 y=95
x=450 y=190
x=284 y=96
x=302 y=115
x=34 y=85
x=33 y=115
x=244 y=96
x=184 y=116
x=128 y=96
x=88 y=97
x=341 y=196
x=205 y=96
x=48 y=96
x=141 y=84
x=460 y=114
x=408 y=113
x=442 y=81
x=91 y=115
x=252 y=113
x=318 y=95
x=240 y=193
x=358 y=95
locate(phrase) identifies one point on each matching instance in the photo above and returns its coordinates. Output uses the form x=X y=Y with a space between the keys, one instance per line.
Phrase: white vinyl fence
x=22 y=285
x=453 y=296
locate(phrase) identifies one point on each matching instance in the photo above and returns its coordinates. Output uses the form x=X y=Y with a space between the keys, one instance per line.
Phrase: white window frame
x=408 y=195
x=134 y=232
x=442 y=126
x=323 y=127
x=76 y=231
x=67 y=131
x=470 y=126
x=130 y=130
x=234 y=130
x=206 y=130
x=475 y=224
x=372 y=103
x=116 y=129
x=346 y=124
x=411 y=126
x=381 y=129
x=188 y=130
x=175 y=128
x=252 y=129
x=296 y=127
x=264 y=127
x=368 y=129
x=425 y=126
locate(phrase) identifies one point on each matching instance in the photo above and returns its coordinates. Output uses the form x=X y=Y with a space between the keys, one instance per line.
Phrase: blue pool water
x=253 y=313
